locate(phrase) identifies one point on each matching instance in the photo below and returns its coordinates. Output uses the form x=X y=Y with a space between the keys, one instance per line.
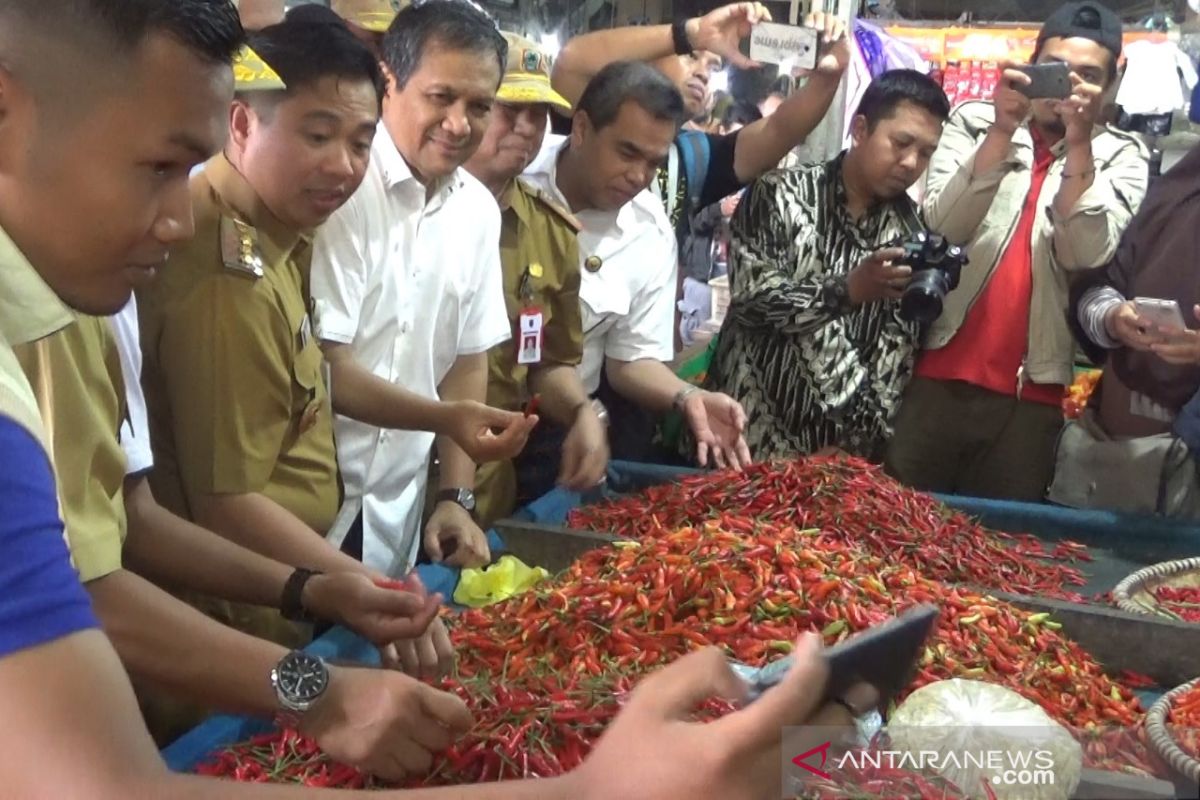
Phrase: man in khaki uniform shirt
x=233 y=375
x=239 y=412
x=539 y=256
x=76 y=376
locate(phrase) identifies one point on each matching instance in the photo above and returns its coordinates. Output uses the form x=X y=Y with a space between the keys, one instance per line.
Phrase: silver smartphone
x=1161 y=313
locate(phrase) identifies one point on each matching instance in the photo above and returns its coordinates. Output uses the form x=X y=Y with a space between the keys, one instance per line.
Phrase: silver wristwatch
x=300 y=680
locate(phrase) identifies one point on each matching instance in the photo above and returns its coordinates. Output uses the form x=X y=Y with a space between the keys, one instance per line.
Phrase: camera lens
x=922 y=300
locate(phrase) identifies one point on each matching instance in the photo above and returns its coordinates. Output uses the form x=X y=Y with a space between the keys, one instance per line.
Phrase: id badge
x=529 y=346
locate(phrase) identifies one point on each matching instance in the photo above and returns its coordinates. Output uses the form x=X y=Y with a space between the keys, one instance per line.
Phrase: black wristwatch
x=464 y=497
x=291 y=607
x=680 y=38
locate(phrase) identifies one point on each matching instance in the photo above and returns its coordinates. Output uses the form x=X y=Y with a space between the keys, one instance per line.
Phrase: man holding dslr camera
x=814 y=345
x=1035 y=189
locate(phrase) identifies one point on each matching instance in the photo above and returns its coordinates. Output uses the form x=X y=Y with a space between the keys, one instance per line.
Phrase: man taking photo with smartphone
x=1035 y=189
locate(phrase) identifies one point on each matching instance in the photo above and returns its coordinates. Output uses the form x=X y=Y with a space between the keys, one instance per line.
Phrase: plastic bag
x=972 y=733
x=507 y=577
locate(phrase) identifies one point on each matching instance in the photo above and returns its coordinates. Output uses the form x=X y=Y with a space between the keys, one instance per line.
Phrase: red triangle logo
x=823 y=750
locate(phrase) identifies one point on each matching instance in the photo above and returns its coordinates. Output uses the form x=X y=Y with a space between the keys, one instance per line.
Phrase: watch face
x=467 y=499
x=302 y=678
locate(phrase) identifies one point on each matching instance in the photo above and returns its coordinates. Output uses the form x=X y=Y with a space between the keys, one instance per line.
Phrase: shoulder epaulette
x=239 y=248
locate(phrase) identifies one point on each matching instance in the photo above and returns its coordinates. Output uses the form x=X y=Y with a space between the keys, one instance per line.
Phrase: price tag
x=789 y=45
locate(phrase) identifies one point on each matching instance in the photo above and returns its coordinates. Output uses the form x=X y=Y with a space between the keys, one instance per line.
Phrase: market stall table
x=550 y=545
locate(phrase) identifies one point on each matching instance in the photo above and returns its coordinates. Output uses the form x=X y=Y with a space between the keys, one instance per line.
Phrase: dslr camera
x=936 y=266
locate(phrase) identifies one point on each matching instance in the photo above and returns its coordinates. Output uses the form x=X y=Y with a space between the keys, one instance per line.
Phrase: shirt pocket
x=603 y=298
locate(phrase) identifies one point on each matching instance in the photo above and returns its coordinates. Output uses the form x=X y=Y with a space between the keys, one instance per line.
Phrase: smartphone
x=1047 y=81
x=775 y=43
x=1162 y=313
x=884 y=656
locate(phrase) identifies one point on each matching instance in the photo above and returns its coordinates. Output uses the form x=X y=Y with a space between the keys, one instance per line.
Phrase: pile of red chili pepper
x=856 y=502
x=545 y=672
x=1183 y=601
x=1183 y=721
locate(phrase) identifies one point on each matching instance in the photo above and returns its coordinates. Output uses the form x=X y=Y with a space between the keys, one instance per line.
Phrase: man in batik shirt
x=813 y=344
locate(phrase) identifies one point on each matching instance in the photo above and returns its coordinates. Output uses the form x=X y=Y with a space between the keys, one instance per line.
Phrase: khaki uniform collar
x=277 y=239
x=29 y=308
x=528 y=201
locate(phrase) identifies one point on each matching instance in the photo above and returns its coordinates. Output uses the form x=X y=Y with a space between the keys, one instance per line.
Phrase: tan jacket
x=982 y=212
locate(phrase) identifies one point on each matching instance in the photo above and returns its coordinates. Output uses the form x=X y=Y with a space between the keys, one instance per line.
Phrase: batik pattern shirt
x=810 y=369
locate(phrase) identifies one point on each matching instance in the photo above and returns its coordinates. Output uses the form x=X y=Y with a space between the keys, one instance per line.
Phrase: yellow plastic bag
x=506 y=578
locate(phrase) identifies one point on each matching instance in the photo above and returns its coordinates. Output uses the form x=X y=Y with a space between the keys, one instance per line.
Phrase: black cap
x=1084 y=20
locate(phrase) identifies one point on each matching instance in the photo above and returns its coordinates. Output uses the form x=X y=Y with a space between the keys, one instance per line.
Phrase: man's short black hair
x=885 y=94
x=451 y=24
x=623 y=81
x=209 y=28
x=303 y=53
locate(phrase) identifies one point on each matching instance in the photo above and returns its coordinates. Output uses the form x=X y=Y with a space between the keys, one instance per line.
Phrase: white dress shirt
x=628 y=304
x=410 y=282
x=135 y=428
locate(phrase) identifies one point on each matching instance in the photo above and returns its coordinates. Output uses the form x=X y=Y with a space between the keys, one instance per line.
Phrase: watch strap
x=456 y=496
x=680 y=38
x=291 y=606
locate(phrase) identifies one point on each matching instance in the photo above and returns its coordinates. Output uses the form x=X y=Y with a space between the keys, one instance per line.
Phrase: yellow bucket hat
x=527 y=75
x=370 y=15
x=252 y=74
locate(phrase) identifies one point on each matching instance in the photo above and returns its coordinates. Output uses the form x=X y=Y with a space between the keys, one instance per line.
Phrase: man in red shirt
x=1035 y=190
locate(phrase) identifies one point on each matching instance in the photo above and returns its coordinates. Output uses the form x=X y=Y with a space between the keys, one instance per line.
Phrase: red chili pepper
x=546 y=672
x=532 y=407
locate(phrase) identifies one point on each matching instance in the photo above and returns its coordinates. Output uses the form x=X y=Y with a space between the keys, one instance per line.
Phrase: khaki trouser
x=959 y=438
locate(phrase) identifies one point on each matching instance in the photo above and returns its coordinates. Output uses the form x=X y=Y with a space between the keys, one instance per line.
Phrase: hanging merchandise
x=1158 y=78
x=874 y=51
x=871 y=48
x=970 y=80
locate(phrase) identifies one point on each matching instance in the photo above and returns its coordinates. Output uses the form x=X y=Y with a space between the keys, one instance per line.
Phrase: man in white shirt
x=406 y=286
x=623 y=128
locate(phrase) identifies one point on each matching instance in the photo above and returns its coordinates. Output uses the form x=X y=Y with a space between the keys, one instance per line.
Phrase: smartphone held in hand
x=787 y=45
x=1047 y=81
x=884 y=657
x=1162 y=313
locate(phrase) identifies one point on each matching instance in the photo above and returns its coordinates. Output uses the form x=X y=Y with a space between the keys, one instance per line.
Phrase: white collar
x=545 y=170
x=396 y=170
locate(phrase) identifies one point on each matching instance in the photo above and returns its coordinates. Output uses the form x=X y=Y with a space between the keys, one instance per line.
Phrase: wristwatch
x=464 y=497
x=291 y=605
x=300 y=680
